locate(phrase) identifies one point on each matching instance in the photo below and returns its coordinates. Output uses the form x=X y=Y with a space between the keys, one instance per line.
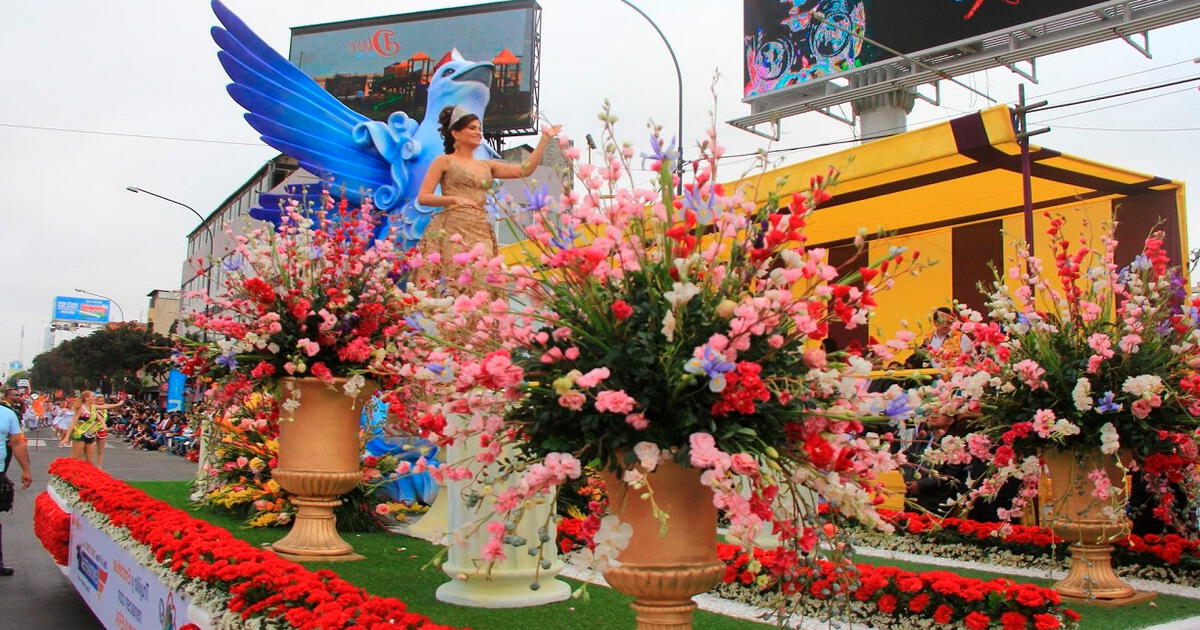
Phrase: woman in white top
x=63 y=418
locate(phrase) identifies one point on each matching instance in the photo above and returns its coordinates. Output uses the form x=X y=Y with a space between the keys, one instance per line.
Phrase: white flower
x=668 y=328
x=1064 y=427
x=647 y=454
x=1082 y=394
x=612 y=538
x=1110 y=442
x=858 y=367
x=354 y=384
x=1142 y=386
x=681 y=294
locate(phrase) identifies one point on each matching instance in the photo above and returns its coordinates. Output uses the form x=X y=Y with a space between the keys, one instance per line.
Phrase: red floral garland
x=1169 y=548
x=260 y=583
x=52 y=526
x=946 y=598
x=942 y=596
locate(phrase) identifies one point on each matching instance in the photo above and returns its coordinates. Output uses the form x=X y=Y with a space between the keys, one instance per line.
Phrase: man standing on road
x=12 y=443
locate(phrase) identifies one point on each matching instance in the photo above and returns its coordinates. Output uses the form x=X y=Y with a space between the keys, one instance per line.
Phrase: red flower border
x=260 y=584
x=1169 y=548
x=52 y=526
x=942 y=596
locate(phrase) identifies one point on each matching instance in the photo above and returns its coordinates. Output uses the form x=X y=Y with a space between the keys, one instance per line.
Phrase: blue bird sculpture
x=359 y=156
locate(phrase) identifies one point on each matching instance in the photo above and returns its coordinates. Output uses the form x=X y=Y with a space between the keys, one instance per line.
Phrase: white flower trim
x=212 y=600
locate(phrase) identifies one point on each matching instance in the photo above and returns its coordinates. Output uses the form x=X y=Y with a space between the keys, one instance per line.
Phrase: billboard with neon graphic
x=87 y=310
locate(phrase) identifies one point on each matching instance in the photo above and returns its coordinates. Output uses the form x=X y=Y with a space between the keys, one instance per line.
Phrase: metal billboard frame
x=1024 y=43
x=535 y=64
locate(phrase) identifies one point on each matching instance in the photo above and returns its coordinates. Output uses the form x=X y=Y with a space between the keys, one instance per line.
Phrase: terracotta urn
x=319 y=449
x=663 y=570
x=1088 y=524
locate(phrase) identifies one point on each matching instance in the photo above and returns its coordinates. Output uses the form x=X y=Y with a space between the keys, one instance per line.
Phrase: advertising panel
x=123 y=594
x=73 y=309
x=176 y=383
x=377 y=66
x=786 y=46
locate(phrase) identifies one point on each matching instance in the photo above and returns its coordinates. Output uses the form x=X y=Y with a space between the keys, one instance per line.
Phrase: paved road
x=39 y=597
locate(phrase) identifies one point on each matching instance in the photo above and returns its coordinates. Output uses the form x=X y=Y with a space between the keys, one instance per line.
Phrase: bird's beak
x=480 y=73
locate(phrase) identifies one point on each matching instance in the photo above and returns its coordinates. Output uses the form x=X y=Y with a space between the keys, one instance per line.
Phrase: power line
x=1088 y=111
x=1147 y=88
x=1116 y=78
x=1163 y=130
x=1069 y=104
x=131 y=135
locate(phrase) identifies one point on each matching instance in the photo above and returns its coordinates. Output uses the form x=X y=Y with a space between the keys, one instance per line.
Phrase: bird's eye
x=447 y=72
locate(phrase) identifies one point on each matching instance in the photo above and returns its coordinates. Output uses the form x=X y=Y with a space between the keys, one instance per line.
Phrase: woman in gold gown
x=465 y=183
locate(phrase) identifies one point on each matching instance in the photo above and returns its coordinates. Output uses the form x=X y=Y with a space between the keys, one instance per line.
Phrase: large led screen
x=785 y=45
x=377 y=66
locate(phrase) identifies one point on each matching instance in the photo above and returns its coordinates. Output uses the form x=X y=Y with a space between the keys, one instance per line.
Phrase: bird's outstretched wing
x=298 y=117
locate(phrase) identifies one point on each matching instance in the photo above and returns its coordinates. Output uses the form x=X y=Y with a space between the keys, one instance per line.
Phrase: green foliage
x=113 y=355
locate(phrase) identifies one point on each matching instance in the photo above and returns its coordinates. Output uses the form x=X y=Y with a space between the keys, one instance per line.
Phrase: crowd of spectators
x=150 y=429
x=143 y=424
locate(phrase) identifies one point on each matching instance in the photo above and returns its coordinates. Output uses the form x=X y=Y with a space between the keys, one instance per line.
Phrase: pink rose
x=382 y=509
x=815 y=359
x=637 y=421
x=1141 y=408
x=614 y=401
x=743 y=464
x=572 y=400
x=592 y=378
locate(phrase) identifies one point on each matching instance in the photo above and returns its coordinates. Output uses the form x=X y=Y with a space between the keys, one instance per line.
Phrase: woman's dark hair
x=446 y=127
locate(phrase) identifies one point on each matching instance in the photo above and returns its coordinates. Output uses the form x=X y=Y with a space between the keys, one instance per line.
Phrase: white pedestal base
x=502 y=591
x=508 y=583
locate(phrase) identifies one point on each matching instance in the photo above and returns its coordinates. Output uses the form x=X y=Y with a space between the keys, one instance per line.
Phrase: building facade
x=163 y=311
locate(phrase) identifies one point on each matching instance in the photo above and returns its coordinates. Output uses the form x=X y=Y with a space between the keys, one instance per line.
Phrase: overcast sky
x=148 y=68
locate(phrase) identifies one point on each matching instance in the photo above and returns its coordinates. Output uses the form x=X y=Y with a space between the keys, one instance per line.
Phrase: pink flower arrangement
x=1103 y=361
x=634 y=316
x=317 y=297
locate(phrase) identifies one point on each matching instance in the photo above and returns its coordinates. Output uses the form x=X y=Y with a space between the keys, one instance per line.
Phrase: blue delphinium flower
x=657 y=152
x=1106 y=404
x=564 y=237
x=537 y=199
x=228 y=360
x=713 y=365
x=233 y=263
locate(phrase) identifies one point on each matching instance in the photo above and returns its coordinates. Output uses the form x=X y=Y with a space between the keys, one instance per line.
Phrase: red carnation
x=321 y=371
x=943 y=614
x=887 y=604
x=1013 y=621
x=263 y=369
x=621 y=310
x=919 y=603
x=977 y=621
x=1042 y=621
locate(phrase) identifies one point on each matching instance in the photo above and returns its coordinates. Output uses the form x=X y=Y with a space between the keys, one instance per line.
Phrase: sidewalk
x=39 y=597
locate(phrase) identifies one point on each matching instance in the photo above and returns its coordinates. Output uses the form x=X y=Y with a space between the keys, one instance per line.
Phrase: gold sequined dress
x=471 y=180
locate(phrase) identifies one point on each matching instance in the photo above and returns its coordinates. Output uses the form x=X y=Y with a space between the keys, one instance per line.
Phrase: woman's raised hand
x=549 y=131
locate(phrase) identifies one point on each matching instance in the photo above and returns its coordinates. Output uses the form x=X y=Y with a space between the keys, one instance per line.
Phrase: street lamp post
x=678 y=82
x=207 y=228
x=114 y=302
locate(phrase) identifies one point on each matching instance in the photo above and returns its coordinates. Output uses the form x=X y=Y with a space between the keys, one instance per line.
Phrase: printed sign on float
x=123 y=594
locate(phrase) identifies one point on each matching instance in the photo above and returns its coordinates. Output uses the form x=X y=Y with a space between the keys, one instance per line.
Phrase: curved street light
x=207 y=228
x=678 y=82
x=114 y=302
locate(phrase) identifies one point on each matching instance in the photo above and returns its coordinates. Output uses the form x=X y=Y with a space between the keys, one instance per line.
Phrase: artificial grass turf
x=394 y=568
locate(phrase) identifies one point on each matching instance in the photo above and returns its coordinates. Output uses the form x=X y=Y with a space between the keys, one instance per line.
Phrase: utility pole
x=1021 y=123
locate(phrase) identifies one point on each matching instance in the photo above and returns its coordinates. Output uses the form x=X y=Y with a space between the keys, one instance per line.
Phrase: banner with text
x=123 y=594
